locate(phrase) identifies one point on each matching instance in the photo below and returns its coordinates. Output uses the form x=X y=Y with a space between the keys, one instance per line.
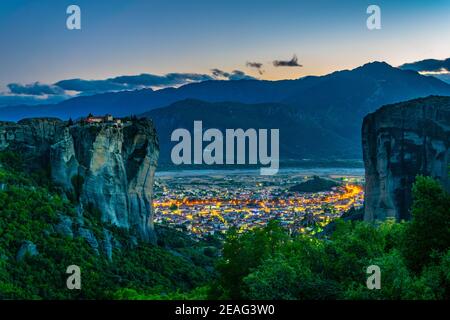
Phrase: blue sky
x=130 y=37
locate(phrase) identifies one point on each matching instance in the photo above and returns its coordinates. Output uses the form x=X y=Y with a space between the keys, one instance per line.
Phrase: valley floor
x=209 y=202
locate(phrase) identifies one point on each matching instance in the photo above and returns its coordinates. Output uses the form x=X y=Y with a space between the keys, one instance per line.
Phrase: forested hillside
x=34 y=253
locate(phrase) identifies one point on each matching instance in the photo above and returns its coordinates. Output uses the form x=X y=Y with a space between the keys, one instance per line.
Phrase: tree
x=243 y=252
x=273 y=280
x=428 y=234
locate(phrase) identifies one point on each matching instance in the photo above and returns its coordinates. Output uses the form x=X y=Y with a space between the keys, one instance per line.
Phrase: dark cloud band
x=428 y=65
x=256 y=65
x=40 y=93
x=234 y=75
x=287 y=63
x=35 y=89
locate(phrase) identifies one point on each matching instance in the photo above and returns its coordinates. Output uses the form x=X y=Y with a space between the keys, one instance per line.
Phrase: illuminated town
x=210 y=204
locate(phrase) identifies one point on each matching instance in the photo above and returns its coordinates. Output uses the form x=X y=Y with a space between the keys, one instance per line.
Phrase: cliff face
x=401 y=141
x=32 y=137
x=109 y=166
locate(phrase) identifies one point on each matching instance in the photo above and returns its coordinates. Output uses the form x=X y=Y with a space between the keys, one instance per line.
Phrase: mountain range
x=319 y=117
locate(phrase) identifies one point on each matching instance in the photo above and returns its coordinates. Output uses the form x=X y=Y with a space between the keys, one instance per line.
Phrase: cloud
x=35 y=89
x=32 y=94
x=120 y=83
x=219 y=73
x=170 y=79
x=240 y=75
x=37 y=92
x=234 y=75
x=256 y=65
x=287 y=63
x=428 y=65
x=91 y=86
x=431 y=67
x=144 y=80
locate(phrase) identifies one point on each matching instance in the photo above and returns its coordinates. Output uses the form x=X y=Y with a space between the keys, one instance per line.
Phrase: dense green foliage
x=414 y=258
x=30 y=212
x=265 y=263
x=428 y=233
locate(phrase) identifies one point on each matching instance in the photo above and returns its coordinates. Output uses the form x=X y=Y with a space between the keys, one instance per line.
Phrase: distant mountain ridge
x=300 y=135
x=320 y=115
x=371 y=85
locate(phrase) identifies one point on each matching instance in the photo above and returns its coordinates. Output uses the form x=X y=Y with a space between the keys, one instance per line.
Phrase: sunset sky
x=130 y=37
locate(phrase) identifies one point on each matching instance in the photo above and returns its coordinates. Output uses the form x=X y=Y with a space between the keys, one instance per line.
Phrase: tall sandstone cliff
x=401 y=141
x=109 y=166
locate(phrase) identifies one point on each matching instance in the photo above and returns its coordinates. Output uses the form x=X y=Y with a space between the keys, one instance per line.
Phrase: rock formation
x=108 y=165
x=401 y=141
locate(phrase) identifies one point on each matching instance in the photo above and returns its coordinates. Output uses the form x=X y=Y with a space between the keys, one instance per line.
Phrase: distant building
x=92 y=119
x=98 y=119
